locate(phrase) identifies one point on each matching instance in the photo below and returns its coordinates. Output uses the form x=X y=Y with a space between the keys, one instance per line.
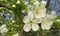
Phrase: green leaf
x=57 y=22
x=58 y=17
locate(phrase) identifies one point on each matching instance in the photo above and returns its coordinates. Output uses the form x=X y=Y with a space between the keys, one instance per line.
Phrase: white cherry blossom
x=47 y=22
x=35 y=27
x=3 y=29
x=27 y=27
x=39 y=12
x=30 y=23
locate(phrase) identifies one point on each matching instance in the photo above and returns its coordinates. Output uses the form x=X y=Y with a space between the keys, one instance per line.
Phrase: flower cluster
x=36 y=14
x=3 y=29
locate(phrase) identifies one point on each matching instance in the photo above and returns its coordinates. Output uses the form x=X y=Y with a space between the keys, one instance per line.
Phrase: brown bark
x=4 y=5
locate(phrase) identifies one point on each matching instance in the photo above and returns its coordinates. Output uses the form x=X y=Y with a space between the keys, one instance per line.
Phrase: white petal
x=53 y=14
x=46 y=23
x=27 y=27
x=3 y=26
x=36 y=3
x=43 y=3
x=42 y=12
x=35 y=27
x=26 y=19
x=3 y=29
x=45 y=26
x=30 y=15
x=39 y=13
x=50 y=22
x=37 y=20
x=37 y=16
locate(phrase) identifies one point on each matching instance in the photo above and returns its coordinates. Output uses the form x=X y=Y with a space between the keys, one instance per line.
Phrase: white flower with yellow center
x=3 y=29
x=39 y=9
x=29 y=23
x=48 y=21
x=39 y=12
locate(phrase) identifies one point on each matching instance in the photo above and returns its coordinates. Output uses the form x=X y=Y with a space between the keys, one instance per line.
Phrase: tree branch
x=4 y=5
x=48 y=2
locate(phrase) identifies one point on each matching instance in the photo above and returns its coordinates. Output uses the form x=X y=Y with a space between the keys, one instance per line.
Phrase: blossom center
x=37 y=11
x=31 y=22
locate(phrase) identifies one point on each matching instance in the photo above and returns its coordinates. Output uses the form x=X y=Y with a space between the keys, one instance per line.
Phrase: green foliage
x=57 y=23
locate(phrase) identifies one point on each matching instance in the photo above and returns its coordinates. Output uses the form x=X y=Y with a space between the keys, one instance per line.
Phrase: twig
x=4 y=5
x=48 y=2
